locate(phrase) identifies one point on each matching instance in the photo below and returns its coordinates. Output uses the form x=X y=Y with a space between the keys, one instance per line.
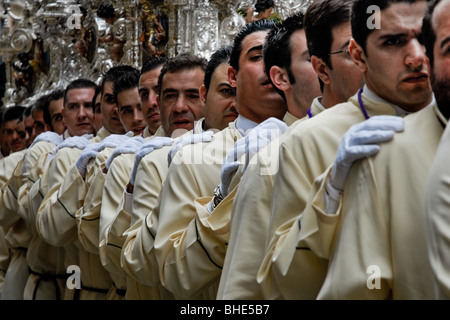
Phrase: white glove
x=128 y=146
x=79 y=142
x=89 y=152
x=258 y=138
x=360 y=141
x=146 y=148
x=252 y=143
x=205 y=136
x=114 y=140
x=48 y=136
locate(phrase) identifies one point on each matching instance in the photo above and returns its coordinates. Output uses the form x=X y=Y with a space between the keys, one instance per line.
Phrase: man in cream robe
x=77 y=193
x=45 y=191
x=186 y=267
x=291 y=269
x=436 y=202
x=251 y=207
x=219 y=100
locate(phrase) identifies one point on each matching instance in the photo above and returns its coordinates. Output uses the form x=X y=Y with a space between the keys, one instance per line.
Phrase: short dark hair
x=153 y=64
x=79 y=84
x=52 y=96
x=129 y=80
x=258 y=25
x=221 y=55
x=115 y=72
x=183 y=61
x=320 y=19
x=360 y=16
x=278 y=47
x=98 y=91
x=106 y=11
x=429 y=35
x=12 y=113
x=39 y=104
x=262 y=5
x=27 y=111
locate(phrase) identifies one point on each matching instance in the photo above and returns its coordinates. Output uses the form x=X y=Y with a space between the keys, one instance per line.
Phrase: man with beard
x=437 y=223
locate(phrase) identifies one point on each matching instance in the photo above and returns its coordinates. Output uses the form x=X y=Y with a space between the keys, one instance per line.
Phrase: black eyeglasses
x=341 y=51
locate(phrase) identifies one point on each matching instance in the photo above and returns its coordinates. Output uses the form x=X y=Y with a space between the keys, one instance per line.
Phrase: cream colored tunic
x=190 y=267
x=306 y=152
x=136 y=258
x=5 y=258
x=57 y=229
x=47 y=278
x=380 y=249
x=16 y=237
x=247 y=218
x=7 y=165
x=437 y=221
x=88 y=219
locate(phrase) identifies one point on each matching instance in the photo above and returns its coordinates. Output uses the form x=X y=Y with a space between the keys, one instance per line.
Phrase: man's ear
x=321 y=68
x=232 y=77
x=280 y=78
x=358 y=55
x=203 y=92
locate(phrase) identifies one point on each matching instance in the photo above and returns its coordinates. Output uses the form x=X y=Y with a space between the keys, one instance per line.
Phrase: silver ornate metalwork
x=61 y=37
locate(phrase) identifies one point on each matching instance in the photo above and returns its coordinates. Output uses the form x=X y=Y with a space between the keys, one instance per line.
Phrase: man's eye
x=395 y=42
x=110 y=100
x=256 y=58
x=170 y=96
x=227 y=91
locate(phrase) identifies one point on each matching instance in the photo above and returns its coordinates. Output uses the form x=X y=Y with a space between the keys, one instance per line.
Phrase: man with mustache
x=437 y=35
x=142 y=192
x=395 y=71
x=174 y=220
x=320 y=36
x=120 y=162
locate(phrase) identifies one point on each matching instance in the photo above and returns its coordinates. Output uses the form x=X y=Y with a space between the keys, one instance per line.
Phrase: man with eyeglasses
x=395 y=71
x=392 y=260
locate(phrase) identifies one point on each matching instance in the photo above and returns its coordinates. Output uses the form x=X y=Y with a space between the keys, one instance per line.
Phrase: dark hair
x=12 y=113
x=79 y=84
x=320 y=19
x=262 y=5
x=52 y=96
x=429 y=35
x=40 y=103
x=115 y=72
x=106 y=11
x=153 y=64
x=258 y=25
x=278 y=47
x=27 y=111
x=98 y=91
x=129 y=80
x=220 y=56
x=360 y=16
x=183 y=61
